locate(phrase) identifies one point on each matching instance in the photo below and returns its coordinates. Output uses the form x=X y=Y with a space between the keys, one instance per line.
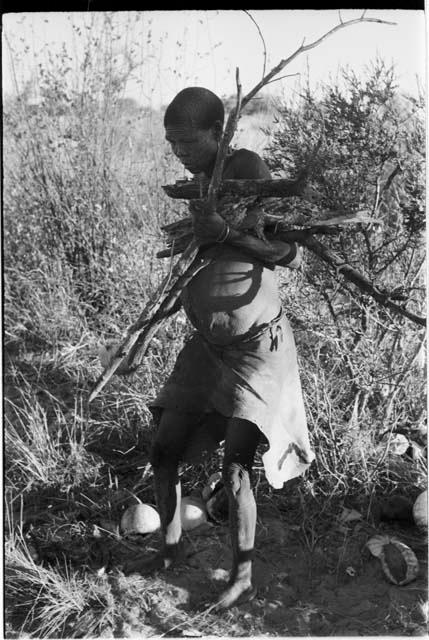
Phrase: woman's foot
x=237 y=593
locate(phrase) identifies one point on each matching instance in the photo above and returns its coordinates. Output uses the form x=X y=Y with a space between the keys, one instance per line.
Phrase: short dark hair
x=196 y=105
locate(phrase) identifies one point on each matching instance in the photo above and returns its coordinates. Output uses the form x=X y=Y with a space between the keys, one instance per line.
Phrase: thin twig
x=262 y=38
x=290 y=75
x=223 y=146
x=377 y=197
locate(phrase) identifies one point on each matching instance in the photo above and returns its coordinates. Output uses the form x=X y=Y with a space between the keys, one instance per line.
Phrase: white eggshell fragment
x=420 y=510
x=140 y=518
x=192 y=513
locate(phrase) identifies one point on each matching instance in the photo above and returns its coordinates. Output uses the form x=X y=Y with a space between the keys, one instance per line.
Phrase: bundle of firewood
x=259 y=213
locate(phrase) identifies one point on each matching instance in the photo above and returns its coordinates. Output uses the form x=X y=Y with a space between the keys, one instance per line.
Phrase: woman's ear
x=217 y=130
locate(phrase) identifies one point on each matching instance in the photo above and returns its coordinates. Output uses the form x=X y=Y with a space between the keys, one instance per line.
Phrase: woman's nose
x=179 y=152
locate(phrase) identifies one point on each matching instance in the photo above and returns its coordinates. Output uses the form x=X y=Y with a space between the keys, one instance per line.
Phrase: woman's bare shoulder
x=245 y=164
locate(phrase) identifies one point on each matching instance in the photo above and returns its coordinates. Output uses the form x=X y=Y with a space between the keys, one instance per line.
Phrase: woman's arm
x=211 y=227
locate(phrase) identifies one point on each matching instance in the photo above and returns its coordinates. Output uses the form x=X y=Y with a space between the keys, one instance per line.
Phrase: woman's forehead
x=181 y=130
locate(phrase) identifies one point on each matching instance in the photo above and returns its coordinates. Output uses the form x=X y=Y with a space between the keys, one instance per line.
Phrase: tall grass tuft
x=50 y=601
x=42 y=453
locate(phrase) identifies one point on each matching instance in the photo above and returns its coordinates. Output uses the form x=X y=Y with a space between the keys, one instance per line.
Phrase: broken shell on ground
x=420 y=510
x=192 y=513
x=140 y=518
x=398 y=561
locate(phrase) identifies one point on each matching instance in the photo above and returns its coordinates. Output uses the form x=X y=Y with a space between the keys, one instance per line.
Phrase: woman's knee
x=170 y=439
x=162 y=455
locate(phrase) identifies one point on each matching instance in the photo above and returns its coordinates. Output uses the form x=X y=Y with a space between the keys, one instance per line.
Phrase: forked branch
x=307 y=47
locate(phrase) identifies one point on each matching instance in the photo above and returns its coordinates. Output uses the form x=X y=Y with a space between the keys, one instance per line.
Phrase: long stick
x=135 y=331
x=179 y=233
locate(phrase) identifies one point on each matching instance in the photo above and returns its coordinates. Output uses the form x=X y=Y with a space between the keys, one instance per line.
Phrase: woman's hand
x=208 y=225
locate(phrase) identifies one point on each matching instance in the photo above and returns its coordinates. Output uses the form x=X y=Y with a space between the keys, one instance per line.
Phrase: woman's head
x=196 y=107
x=193 y=125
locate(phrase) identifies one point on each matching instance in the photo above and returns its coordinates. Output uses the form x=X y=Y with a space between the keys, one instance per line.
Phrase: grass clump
x=45 y=454
x=52 y=601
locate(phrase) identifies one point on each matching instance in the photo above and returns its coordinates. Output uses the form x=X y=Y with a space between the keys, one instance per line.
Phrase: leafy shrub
x=362 y=365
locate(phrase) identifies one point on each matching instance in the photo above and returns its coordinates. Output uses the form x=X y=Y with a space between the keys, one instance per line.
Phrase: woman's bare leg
x=240 y=446
x=170 y=441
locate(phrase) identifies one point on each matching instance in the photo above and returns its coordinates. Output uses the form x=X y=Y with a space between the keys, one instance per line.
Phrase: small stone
x=219 y=574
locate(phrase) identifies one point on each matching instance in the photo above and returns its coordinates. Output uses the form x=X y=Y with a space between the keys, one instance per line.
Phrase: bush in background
x=362 y=366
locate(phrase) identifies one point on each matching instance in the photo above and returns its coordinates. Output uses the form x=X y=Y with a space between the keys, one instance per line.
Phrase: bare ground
x=309 y=583
x=334 y=588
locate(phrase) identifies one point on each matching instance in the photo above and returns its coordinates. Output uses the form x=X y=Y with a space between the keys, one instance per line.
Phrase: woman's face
x=195 y=148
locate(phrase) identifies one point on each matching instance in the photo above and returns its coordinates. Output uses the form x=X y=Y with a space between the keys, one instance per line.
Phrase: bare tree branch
x=262 y=38
x=303 y=48
x=359 y=280
x=224 y=145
